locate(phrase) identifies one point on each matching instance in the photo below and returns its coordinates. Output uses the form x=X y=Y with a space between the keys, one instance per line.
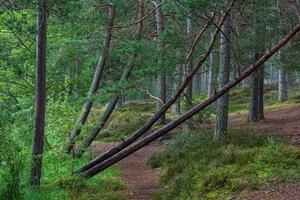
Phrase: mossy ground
x=206 y=169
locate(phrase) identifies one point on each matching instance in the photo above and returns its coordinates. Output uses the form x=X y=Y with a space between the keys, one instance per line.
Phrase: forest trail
x=284 y=122
x=141 y=180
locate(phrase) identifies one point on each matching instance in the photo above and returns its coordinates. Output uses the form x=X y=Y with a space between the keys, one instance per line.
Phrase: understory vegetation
x=57 y=181
x=203 y=168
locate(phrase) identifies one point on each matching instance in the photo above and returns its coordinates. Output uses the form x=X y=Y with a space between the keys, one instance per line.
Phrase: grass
x=107 y=186
x=206 y=169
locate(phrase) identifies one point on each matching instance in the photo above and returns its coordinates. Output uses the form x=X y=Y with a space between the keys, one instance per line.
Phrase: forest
x=149 y=99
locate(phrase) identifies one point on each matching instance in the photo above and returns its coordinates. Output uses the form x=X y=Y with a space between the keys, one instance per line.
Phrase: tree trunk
x=140 y=132
x=177 y=82
x=282 y=85
x=95 y=83
x=189 y=89
x=112 y=104
x=40 y=95
x=260 y=94
x=223 y=102
x=171 y=125
x=252 y=116
x=161 y=78
x=256 y=108
x=105 y=116
x=211 y=75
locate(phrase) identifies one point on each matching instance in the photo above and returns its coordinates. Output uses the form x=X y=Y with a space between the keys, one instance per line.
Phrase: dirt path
x=141 y=180
x=285 y=122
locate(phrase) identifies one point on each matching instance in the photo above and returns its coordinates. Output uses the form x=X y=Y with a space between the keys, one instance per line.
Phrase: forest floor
x=142 y=180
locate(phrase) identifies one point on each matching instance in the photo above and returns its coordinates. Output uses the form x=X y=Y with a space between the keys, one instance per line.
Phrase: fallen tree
x=163 y=130
x=95 y=82
x=141 y=131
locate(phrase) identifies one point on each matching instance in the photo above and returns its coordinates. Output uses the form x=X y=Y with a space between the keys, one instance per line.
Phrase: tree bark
x=95 y=83
x=282 y=85
x=223 y=103
x=177 y=82
x=161 y=78
x=188 y=93
x=40 y=95
x=252 y=116
x=171 y=125
x=211 y=75
x=112 y=104
x=140 y=132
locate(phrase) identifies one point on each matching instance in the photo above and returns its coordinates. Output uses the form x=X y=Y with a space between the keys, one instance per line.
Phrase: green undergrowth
x=126 y=120
x=106 y=186
x=58 y=166
x=195 y=166
x=123 y=121
x=239 y=99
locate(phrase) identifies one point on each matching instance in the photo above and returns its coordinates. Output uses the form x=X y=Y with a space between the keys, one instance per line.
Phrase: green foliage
x=203 y=168
x=11 y=166
x=57 y=165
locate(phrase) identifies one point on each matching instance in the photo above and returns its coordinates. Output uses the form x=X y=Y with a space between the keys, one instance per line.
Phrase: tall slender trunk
x=161 y=77
x=252 y=116
x=188 y=93
x=95 y=83
x=223 y=102
x=40 y=95
x=177 y=82
x=282 y=85
x=260 y=95
x=211 y=75
x=256 y=108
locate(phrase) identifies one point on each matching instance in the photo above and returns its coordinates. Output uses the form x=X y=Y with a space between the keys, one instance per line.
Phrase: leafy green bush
x=194 y=166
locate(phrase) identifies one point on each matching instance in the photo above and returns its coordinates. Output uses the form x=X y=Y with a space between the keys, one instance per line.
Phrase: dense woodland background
x=73 y=72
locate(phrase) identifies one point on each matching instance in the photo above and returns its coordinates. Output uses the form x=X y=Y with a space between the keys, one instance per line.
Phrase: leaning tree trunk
x=161 y=77
x=40 y=95
x=104 y=118
x=95 y=83
x=112 y=104
x=223 y=102
x=171 y=125
x=142 y=130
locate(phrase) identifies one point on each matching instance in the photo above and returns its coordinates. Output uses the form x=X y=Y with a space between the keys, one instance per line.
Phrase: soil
x=142 y=180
